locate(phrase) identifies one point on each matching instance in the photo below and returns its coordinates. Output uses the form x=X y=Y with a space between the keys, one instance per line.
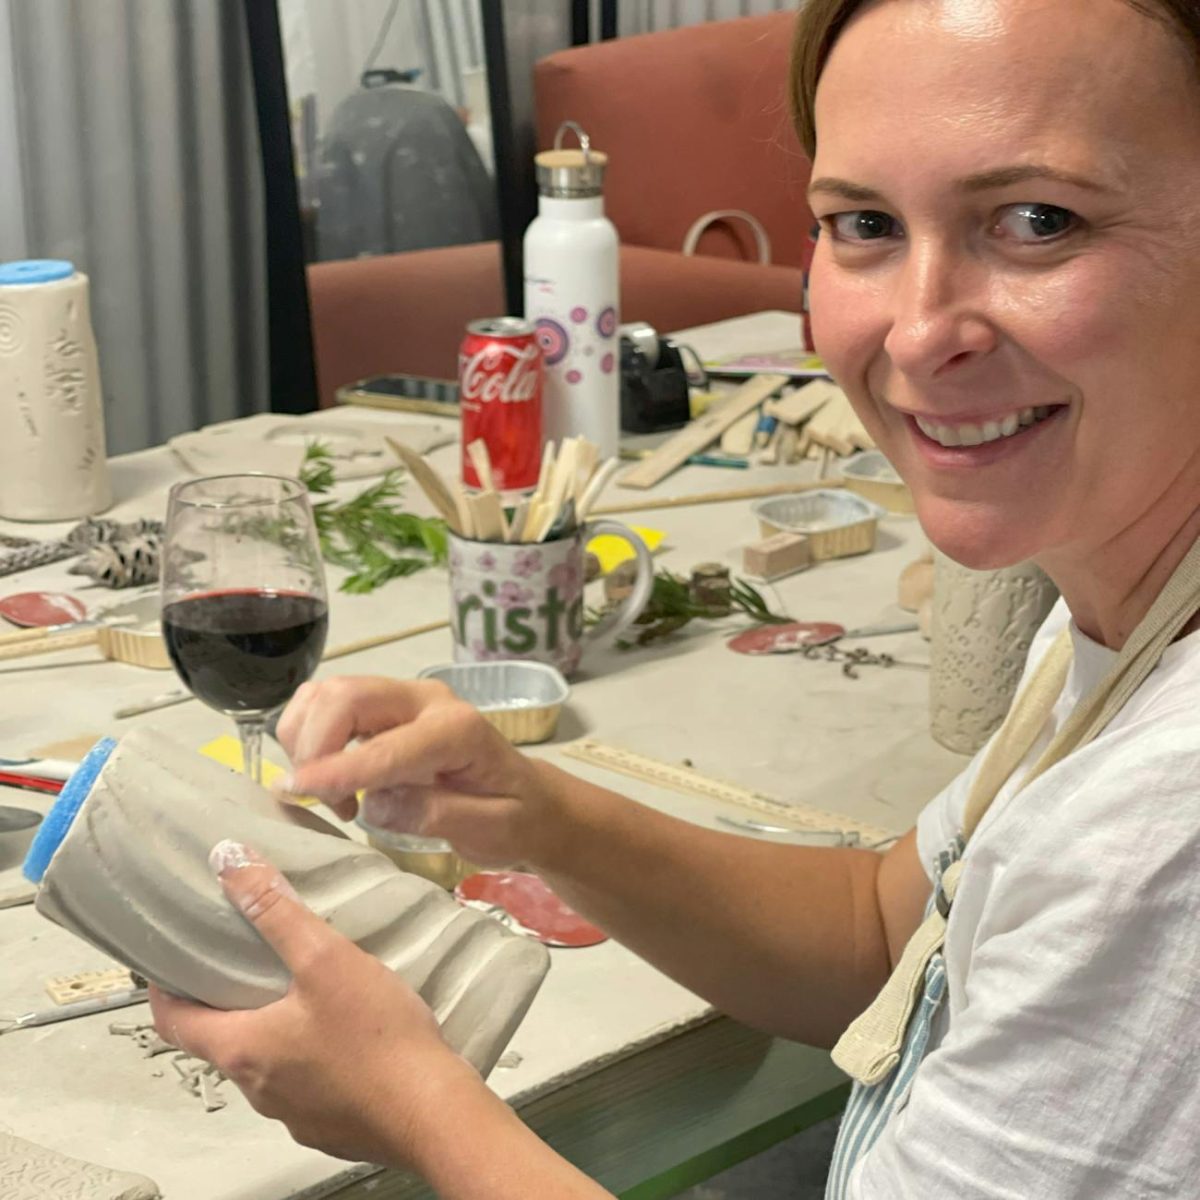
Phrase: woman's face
x=1007 y=281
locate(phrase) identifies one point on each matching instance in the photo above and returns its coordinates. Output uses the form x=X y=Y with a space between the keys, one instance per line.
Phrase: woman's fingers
x=440 y=742
x=266 y=899
x=324 y=717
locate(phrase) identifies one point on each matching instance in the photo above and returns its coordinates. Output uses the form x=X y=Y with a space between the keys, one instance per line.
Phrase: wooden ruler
x=702 y=432
x=802 y=817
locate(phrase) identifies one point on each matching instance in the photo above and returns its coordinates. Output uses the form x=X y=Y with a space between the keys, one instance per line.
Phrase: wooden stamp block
x=776 y=556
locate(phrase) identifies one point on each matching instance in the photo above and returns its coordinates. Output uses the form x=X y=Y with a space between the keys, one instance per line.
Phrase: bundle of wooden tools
x=569 y=484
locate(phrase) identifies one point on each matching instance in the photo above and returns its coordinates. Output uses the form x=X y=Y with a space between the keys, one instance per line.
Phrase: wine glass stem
x=251 y=733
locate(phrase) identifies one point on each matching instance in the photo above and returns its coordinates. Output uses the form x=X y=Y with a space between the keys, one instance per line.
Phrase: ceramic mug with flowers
x=525 y=600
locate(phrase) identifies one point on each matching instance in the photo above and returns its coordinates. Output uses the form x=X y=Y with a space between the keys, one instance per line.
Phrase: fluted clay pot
x=982 y=626
x=131 y=877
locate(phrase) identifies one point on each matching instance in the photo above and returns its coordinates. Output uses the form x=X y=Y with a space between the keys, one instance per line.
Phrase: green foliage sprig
x=672 y=605
x=364 y=534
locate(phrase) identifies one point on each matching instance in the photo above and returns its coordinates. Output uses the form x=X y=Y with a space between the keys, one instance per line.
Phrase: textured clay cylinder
x=122 y=862
x=53 y=465
x=983 y=623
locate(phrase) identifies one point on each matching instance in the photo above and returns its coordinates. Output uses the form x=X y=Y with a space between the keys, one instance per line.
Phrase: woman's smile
x=975 y=441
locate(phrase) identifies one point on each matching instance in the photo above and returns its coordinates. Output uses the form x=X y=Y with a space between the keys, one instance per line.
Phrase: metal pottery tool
x=81 y=1008
x=801 y=817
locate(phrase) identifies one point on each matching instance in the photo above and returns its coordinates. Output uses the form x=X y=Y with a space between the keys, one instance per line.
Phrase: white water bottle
x=572 y=296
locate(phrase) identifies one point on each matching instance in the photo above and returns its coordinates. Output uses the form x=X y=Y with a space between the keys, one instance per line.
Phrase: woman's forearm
x=789 y=939
x=476 y=1148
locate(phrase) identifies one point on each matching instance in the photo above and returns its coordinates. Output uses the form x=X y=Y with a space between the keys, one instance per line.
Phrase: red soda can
x=500 y=393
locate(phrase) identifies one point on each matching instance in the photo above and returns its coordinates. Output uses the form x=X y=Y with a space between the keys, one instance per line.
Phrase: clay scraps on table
x=197 y=1077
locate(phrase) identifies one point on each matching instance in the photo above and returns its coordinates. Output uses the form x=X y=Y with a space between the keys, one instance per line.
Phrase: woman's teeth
x=976 y=435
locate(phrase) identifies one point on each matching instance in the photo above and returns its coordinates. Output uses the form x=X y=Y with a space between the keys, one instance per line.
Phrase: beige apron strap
x=871 y=1046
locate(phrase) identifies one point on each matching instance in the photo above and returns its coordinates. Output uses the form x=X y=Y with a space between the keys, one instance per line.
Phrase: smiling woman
x=1007 y=286
x=995 y=314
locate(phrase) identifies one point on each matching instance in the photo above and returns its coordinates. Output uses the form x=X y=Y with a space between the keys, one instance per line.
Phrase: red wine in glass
x=245 y=650
x=243 y=592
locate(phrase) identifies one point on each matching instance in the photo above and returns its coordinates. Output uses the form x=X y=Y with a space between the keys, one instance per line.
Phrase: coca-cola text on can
x=500 y=393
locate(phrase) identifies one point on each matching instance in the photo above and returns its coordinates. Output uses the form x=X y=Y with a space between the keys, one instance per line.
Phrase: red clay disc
x=532 y=905
x=786 y=639
x=42 y=608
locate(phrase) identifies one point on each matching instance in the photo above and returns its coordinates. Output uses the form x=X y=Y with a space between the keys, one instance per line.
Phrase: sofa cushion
x=406 y=313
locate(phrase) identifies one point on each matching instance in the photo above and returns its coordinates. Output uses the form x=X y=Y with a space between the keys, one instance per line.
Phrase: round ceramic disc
x=42 y=608
x=532 y=905
x=14 y=820
x=786 y=639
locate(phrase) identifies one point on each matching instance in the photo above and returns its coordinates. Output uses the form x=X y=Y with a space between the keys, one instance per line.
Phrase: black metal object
x=581 y=22
x=608 y=19
x=516 y=192
x=653 y=398
x=293 y=378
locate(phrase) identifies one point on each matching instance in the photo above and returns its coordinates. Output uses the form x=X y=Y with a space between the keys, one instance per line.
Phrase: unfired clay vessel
x=132 y=877
x=52 y=446
x=983 y=623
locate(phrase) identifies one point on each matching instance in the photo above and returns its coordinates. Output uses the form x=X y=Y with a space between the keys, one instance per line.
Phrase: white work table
x=631 y=1076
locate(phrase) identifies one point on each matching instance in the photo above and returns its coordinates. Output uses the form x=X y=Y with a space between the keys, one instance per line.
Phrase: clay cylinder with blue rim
x=122 y=862
x=53 y=463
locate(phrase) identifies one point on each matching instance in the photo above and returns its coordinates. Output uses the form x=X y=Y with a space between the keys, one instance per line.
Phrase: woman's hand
x=351 y=1059
x=427 y=763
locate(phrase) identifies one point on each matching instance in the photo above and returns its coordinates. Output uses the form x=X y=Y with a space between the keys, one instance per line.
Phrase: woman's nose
x=939 y=321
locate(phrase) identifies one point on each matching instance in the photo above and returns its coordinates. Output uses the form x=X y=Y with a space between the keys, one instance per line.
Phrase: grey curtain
x=138 y=161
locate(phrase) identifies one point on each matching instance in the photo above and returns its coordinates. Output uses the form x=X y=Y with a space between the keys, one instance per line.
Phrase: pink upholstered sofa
x=693 y=120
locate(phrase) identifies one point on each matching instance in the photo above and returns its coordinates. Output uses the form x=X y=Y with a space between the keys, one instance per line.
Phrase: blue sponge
x=58 y=820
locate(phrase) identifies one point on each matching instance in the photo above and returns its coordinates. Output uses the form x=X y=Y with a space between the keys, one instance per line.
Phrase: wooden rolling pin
x=37 y=641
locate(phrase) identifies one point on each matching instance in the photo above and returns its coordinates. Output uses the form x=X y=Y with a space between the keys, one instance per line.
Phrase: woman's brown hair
x=821 y=22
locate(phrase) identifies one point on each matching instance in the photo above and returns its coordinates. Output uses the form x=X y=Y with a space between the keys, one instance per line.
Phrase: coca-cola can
x=500 y=393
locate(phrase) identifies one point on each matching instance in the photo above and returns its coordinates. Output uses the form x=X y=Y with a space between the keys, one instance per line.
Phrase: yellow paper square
x=227 y=750
x=612 y=550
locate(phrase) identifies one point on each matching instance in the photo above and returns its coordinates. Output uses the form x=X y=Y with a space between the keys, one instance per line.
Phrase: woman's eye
x=862 y=226
x=1033 y=223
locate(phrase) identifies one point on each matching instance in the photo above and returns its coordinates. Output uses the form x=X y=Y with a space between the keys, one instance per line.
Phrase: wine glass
x=243 y=591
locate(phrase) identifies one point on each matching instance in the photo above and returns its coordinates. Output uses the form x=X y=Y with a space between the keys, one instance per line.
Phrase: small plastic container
x=521 y=699
x=872 y=477
x=431 y=858
x=837 y=523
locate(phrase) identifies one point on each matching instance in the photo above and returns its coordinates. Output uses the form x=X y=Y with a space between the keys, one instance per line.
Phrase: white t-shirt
x=1066 y=1059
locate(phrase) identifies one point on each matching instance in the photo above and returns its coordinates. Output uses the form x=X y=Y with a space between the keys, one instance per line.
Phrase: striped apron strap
x=870 y=1047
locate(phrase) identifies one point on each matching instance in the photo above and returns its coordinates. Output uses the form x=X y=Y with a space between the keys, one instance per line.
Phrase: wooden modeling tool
x=516 y=524
x=429 y=481
x=596 y=485
x=746 y=493
x=702 y=432
x=465 y=527
x=487 y=517
x=481 y=460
